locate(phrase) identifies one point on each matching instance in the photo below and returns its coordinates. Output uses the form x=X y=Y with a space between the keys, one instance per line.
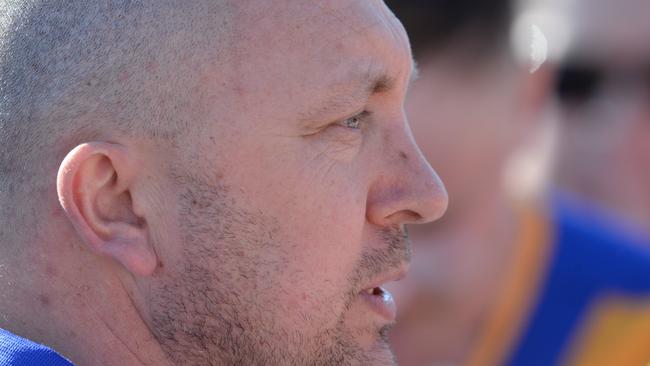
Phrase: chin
x=382 y=355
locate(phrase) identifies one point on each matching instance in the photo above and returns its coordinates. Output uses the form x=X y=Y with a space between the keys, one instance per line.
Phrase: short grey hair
x=73 y=70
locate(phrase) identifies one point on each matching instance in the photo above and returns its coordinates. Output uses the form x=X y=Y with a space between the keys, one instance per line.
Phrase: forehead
x=296 y=19
x=617 y=29
x=310 y=41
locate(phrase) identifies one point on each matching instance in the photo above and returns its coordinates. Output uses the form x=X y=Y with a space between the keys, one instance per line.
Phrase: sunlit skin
x=250 y=240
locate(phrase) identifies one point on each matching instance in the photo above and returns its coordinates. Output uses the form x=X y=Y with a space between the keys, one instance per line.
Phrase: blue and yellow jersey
x=577 y=294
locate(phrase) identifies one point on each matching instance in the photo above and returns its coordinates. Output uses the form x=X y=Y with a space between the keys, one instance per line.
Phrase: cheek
x=327 y=230
x=317 y=200
x=337 y=144
x=322 y=255
x=325 y=222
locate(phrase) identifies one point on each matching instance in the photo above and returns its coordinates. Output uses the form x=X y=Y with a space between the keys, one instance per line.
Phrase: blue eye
x=354 y=122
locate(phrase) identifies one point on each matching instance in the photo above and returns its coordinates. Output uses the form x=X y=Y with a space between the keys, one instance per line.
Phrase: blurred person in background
x=603 y=100
x=464 y=111
x=504 y=279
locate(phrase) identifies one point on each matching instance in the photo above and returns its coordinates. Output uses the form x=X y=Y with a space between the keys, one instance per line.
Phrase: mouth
x=380 y=300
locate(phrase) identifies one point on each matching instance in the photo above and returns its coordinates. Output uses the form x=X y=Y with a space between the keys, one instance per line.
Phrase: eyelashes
x=355 y=122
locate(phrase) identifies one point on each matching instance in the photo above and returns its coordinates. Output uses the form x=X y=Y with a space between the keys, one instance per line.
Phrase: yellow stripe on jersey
x=518 y=293
x=616 y=332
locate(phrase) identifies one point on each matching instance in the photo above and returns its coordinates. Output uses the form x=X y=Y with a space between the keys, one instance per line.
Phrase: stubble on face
x=224 y=304
x=232 y=296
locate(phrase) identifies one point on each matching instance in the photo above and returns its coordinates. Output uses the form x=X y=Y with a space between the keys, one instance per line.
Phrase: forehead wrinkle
x=345 y=98
x=370 y=74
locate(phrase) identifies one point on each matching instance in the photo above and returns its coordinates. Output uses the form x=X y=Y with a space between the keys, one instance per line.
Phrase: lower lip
x=383 y=304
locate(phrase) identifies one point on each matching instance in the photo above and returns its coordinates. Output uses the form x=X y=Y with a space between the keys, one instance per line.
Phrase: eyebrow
x=383 y=82
x=380 y=84
x=344 y=101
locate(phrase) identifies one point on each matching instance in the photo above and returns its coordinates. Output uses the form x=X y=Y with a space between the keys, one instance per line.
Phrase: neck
x=88 y=319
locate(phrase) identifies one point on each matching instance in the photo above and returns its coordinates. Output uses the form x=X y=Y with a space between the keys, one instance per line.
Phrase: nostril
x=406 y=217
x=415 y=217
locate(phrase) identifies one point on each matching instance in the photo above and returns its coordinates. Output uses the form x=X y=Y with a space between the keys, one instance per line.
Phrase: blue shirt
x=577 y=292
x=18 y=351
x=597 y=281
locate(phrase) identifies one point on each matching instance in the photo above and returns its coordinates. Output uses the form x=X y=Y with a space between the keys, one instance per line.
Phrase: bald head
x=74 y=70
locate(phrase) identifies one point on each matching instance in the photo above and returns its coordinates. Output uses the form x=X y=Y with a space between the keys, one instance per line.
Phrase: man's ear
x=94 y=188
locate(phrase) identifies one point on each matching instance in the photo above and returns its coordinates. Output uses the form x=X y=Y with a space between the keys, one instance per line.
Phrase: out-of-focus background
x=536 y=115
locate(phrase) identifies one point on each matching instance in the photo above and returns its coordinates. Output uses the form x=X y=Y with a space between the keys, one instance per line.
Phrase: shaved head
x=74 y=70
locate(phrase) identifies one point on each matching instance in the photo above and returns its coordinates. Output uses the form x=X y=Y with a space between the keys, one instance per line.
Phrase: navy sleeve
x=17 y=351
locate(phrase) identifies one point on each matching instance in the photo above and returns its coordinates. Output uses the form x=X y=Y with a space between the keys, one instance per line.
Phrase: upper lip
x=394 y=275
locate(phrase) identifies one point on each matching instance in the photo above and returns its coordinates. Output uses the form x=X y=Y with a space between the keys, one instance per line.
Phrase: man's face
x=287 y=209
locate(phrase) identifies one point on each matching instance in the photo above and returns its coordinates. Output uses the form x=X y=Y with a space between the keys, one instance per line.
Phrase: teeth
x=370 y=291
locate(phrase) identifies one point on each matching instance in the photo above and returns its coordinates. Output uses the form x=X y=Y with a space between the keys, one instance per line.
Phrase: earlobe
x=93 y=186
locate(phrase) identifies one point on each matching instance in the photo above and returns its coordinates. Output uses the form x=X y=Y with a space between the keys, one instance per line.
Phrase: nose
x=406 y=190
